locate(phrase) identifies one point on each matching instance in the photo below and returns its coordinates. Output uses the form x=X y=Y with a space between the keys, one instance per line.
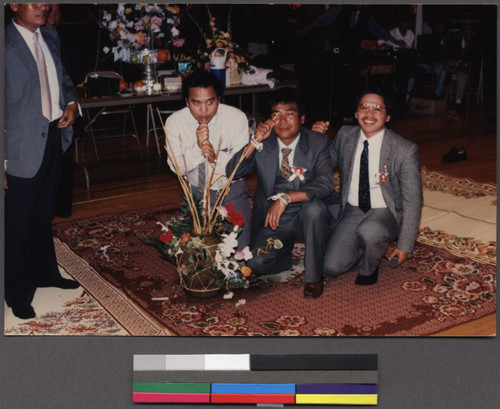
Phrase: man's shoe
x=455 y=155
x=313 y=290
x=367 y=280
x=63 y=283
x=25 y=312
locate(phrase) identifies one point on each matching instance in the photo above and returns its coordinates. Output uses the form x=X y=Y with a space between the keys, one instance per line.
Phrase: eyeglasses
x=366 y=106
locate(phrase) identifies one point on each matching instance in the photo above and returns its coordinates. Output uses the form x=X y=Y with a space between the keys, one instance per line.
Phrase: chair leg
x=136 y=134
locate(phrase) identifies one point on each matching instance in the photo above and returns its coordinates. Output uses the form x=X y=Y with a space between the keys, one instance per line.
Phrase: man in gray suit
x=295 y=175
x=39 y=111
x=381 y=193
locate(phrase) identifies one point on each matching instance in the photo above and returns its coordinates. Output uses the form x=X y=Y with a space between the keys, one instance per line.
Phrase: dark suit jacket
x=26 y=128
x=403 y=190
x=311 y=153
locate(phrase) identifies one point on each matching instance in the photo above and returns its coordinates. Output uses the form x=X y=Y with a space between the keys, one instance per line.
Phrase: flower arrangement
x=205 y=262
x=203 y=241
x=214 y=39
x=136 y=28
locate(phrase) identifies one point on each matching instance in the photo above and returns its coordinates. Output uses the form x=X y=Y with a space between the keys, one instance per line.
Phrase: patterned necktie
x=364 y=183
x=44 y=79
x=286 y=170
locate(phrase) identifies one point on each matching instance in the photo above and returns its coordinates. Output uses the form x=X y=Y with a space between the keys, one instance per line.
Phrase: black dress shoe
x=367 y=280
x=25 y=312
x=313 y=290
x=63 y=283
x=455 y=155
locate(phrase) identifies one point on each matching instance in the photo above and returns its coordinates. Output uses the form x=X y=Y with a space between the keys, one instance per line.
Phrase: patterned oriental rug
x=450 y=280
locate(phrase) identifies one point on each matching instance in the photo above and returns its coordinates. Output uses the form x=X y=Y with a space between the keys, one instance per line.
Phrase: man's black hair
x=378 y=91
x=285 y=95
x=201 y=79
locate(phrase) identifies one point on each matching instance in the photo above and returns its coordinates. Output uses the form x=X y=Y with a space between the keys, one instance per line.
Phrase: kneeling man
x=381 y=193
x=294 y=175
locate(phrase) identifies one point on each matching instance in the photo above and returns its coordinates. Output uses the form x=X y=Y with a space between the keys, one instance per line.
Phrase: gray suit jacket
x=26 y=128
x=403 y=190
x=311 y=153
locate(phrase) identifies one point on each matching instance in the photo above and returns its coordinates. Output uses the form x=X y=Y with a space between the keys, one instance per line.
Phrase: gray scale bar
x=369 y=377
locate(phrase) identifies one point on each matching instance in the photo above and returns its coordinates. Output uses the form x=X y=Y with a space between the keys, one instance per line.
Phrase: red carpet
x=433 y=291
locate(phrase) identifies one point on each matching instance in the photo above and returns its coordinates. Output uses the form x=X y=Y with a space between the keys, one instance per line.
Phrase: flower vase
x=196 y=273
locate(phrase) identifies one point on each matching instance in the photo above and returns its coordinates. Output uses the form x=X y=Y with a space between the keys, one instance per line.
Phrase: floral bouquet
x=203 y=241
x=214 y=39
x=205 y=263
x=138 y=28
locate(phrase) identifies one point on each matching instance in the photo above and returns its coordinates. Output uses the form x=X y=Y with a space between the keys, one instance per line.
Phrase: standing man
x=200 y=125
x=294 y=173
x=381 y=192
x=39 y=111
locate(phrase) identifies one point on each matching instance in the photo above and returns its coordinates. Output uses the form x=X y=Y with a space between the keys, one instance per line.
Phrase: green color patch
x=171 y=387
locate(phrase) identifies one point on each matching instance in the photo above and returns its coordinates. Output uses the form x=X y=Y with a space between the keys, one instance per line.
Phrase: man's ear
x=388 y=118
x=302 y=119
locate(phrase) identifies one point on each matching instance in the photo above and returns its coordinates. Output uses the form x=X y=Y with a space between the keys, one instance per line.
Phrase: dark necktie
x=364 y=183
x=44 y=79
x=286 y=170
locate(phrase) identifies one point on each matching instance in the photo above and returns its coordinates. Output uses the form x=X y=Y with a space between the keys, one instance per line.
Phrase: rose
x=167 y=237
x=230 y=208
x=237 y=219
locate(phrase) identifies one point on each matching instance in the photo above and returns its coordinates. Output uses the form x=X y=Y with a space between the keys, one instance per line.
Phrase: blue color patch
x=251 y=388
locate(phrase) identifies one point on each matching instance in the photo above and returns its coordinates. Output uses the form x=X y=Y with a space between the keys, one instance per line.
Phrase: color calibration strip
x=329 y=379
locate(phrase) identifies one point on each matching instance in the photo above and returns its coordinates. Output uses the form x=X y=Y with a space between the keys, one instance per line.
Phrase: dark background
x=96 y=372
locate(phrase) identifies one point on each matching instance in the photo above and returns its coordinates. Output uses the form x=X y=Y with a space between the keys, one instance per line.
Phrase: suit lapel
x=22 y=50
x=270 y=158
x=350 y=150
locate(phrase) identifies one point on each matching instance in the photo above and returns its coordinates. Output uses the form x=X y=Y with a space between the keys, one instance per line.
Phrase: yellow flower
x=246 y=271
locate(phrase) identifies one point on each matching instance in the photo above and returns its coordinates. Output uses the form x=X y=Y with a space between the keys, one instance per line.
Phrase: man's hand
x=68 y=117
x=206 y=147
x=264 y=129
x=400 y=254
x=321 y=126
x=274 y=214
x=207 y=150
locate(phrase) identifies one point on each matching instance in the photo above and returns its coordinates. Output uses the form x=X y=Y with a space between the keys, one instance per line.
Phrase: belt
x=53 y=124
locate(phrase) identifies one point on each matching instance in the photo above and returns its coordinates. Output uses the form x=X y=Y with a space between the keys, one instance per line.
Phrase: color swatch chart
x=294 y=379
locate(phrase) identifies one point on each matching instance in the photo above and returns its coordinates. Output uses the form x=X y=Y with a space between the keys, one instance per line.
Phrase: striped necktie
x=286 y=170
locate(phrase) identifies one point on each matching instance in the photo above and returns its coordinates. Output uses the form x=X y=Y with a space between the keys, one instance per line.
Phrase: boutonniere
x=382 y=176
x=297 y=172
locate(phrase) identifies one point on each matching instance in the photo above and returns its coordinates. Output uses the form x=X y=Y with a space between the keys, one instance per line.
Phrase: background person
x=39 y=111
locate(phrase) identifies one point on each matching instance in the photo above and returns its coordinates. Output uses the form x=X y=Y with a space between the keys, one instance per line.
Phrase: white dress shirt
x=229 y=122
x=51 y=68
x=374 y=146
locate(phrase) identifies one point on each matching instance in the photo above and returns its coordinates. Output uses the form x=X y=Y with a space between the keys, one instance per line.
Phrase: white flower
x=241 y=302
x=112 y=25
x=164 y=228
x=175 y=32
x=228 y=244
x=228 y=296
x=106 y=50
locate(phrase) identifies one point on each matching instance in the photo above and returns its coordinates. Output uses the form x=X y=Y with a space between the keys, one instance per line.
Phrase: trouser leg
x=312 y=228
